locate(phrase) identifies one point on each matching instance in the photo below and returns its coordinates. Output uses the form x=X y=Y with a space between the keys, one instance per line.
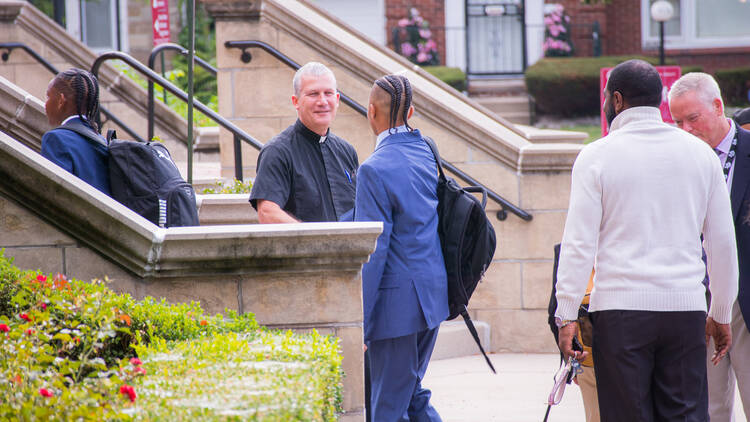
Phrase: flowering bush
x=557 y=41
x=412 y=39
x=71 y=350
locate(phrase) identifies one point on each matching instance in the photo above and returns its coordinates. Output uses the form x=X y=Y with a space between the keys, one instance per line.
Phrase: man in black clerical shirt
x=306 y=173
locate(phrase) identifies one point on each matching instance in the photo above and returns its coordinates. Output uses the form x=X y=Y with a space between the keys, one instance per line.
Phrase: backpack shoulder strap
x=435 y=152
x=85 y=131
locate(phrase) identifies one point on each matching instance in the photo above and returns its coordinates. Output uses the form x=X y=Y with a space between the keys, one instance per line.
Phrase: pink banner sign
x=160 y=21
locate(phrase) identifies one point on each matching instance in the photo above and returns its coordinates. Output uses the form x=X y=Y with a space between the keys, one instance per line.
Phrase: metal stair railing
x=151 y=58
x=505 y=205
x=239 y=134
x=10 y=46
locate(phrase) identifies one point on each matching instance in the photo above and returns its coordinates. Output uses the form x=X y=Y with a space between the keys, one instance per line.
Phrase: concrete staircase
x=505 y=96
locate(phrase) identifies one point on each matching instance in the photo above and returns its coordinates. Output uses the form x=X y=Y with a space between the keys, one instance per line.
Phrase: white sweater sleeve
x=581 y=234
x=721 y=251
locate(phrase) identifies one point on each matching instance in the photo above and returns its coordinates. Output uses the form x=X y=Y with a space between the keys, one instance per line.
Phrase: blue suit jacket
x=404 y=285
x=740 y=195
x=78 y=156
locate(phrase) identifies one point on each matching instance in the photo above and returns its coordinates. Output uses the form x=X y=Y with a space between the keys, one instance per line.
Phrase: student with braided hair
x=73 y=98
x=404 y=286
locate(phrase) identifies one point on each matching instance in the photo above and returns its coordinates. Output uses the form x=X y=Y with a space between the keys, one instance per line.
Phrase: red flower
x=44 y=306
x=46 y=393
x=29 y=332
x=41 y=278
x=140 y=370
x=204 y=322
x=129 y=391
x=25 y=317
x=135 y=361
x=4 y=328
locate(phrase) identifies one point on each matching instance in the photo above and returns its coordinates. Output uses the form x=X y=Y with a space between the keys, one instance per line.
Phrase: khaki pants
x=587 y=383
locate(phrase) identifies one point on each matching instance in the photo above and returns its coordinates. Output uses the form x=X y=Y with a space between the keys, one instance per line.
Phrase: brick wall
x=620 y=23
x=433 y=11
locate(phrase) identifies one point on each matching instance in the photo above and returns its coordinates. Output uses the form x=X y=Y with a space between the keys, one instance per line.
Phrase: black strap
x=85 y=131
x=473 y=331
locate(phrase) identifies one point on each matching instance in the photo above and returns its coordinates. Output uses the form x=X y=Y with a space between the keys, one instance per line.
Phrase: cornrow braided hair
x=83 y=88
x=395 y=85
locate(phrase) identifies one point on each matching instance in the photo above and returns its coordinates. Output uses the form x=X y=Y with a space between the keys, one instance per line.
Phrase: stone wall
x=527 y=167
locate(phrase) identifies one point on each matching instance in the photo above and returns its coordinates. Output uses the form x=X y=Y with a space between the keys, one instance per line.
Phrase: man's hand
x=567 y=333
x=722 y=335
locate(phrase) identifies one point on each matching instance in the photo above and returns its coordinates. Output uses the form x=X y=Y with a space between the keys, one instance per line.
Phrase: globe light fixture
x=661 y=11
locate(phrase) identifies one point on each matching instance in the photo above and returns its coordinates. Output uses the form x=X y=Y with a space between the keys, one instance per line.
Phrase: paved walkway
x=465 y=390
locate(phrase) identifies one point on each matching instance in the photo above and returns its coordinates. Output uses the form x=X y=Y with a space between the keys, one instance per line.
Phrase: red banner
x=669 y=75
x=160 y=21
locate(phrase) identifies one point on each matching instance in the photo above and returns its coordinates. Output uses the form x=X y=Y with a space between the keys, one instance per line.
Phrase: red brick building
x=713 y=40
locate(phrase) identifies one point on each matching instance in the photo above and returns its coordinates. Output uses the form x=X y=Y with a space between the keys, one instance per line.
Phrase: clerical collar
x=388 y=132
x=69 y=118
x=308 y=134
x=726 y=143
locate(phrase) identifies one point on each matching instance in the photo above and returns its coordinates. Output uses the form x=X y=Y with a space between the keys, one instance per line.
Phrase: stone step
x=500 y=105
x=454 y=339
x=496 y=87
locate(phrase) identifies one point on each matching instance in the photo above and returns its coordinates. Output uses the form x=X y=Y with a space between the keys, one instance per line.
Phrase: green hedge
x=734 y=84
x=67 y=352
x=453 y=76
x=570 y=86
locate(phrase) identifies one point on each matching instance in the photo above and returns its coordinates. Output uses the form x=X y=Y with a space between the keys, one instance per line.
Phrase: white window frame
x=75 y=16
x=688 y=38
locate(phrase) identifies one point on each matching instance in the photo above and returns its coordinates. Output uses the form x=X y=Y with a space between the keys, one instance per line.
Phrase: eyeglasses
x=564 y=376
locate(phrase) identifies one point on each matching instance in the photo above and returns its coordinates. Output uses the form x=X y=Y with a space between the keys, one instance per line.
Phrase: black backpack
x=467 y=239
x=143 y=177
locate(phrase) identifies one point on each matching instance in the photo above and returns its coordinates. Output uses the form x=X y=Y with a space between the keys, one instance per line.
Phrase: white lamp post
x=661 y=11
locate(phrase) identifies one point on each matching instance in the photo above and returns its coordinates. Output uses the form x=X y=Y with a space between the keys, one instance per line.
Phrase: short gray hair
x=311 y=69
x=702 y=84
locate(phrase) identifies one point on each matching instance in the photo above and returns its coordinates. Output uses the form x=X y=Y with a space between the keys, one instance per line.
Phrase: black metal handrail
x=246 y=57
x=239 y=134
x=151 y=58
x=10 y=46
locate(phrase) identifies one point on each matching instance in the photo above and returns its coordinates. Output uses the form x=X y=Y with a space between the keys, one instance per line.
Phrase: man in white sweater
x=640 y=199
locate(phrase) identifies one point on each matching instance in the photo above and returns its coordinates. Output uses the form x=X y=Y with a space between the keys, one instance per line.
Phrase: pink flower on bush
x=425 y=33
x=423 y=57
x=140 y=370
x=407 y=49
x=41 y=278
x=4 y=328
x=43 y=306
x=129 y=391
x=135 y=361
x=24 y=316
x=403 y=22
x=45 y=393
x=431 y=45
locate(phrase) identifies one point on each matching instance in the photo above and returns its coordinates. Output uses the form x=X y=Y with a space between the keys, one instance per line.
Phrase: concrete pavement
x=465 y=390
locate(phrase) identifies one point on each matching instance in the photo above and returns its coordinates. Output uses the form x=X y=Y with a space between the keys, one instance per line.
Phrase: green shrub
x=236 y=186
x=734 y=84
x=67 y=349
x=453 y=76
x=570 y=86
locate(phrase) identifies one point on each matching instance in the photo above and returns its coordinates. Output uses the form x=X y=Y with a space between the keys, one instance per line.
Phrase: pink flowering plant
x=557 y=41
x=412 y=38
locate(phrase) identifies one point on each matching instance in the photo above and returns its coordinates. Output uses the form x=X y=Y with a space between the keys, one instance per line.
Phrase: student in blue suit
x=404 y=286
x=73 y=96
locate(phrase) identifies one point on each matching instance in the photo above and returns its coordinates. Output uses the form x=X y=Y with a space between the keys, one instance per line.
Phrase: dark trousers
x=397 y=366
x=650 y=366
